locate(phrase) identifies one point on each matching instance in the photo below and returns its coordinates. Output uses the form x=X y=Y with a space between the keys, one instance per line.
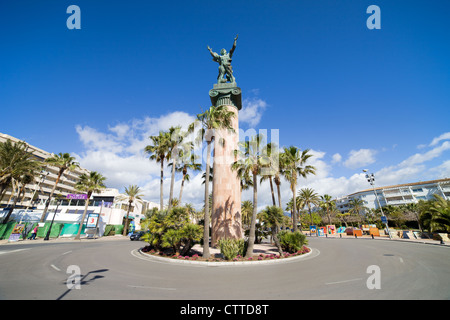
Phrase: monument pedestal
x=226 y=208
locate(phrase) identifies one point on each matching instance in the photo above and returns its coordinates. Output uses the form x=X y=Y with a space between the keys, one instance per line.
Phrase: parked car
x=136 y=235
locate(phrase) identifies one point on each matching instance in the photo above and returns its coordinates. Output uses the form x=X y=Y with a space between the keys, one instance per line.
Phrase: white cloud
x=336 y=158
x=118 y=154
x=419 y=158
x=360 y=158
x=252 y=111
x=444 y=136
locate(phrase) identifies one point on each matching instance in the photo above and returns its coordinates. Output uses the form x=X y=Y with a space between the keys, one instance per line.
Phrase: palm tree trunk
x=310 y=213
x=276 y=240
x=12 y=207
x=277 y=182
x=124 y=233
x=206 y=253
x=47 y=203
x=161 y=199
x=251 y=236
x=294 y=200
x=271 y=189
x=77 y=237
x=172 y=182
x=181 y=189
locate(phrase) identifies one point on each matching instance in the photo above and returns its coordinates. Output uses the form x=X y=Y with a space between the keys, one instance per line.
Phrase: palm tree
x=273 y=217
x=357 y=207
x=272 y=168
x=343 y=217
x=64 y=162
x=246 y=212
x=89 y=183
x=177 y=148
x=294 y=162
x=189 y=162
x=290 y=207
x=327 y=203
x=212 y=119
x=440 y=212
x=15 y=161
x=250 y=161
x=159 y=151
x=309 y=197
x=18 y=173
x=132 y=194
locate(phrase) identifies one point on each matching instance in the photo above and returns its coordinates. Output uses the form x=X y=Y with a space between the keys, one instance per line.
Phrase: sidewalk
x=64 y=239
x=265 y=247
x=383 y=237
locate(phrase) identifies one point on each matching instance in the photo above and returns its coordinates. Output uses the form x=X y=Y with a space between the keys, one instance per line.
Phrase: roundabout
x=334 y=269
x=268 y=259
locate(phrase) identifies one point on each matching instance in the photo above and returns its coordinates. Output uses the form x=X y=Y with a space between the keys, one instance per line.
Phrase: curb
x=419 y=241
x=139 y=254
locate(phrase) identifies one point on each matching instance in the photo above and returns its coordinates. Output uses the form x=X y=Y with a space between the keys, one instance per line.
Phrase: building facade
x=397 y=194
x=110 y=204
x=40 y=189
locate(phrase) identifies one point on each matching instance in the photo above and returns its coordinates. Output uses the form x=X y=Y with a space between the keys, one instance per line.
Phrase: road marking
x=11 y=251
x=401 y=259
x=145 y=287
x=55 y=267
x=344 y=281
x=67 y=252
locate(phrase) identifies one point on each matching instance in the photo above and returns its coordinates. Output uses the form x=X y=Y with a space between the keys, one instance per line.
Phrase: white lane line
x=344 y=281
x=55 y=267
x=11 y=251
x=145 y=287
x=401 y=260
x=67 y=252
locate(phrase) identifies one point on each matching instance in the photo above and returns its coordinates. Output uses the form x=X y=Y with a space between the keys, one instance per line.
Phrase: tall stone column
x=226 y=219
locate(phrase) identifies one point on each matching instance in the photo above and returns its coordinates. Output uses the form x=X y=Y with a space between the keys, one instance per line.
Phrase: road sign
x=383 y=219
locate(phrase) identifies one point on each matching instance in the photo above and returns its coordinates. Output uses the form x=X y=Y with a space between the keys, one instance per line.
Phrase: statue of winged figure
x=224 y=60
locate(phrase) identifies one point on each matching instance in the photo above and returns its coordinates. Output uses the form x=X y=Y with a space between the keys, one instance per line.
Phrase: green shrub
x=292 y=241
x=231 y=248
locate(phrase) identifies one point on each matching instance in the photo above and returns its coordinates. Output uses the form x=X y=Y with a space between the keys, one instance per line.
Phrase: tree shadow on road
x=76 y=281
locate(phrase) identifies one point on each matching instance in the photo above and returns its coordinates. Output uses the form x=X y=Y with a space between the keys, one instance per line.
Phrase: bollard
x=372 y=236
x=356 y=237
x=340 y=235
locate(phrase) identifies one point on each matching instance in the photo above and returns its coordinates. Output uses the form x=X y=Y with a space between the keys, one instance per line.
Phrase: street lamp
x=371 y=179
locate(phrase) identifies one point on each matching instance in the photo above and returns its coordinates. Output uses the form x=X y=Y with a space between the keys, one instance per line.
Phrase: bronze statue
x=224 y=60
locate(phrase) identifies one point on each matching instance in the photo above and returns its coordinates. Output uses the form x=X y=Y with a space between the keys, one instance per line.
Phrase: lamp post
x=371 y=179
x=47 y=237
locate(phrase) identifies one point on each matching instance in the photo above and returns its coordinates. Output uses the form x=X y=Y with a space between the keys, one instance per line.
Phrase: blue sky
x=358 y=98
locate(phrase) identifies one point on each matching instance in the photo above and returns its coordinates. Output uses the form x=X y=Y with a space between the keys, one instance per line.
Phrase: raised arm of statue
x=213 y=54
x=234 y=46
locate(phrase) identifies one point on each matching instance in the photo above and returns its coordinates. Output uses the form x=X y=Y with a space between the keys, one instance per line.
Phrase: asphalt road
x=336 y=269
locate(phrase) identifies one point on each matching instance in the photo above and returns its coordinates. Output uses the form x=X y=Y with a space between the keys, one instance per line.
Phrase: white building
x=109 y=203
x=41 y=188
x=398 y=194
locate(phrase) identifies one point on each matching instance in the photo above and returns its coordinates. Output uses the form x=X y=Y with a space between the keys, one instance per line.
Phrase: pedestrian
x=33 y=233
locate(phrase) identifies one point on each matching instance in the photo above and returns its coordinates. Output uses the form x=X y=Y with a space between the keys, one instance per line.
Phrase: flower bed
x=212 y=258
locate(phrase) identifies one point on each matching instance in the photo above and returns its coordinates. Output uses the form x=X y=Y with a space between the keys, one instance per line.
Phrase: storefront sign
x=77 y=196
x=92 y=220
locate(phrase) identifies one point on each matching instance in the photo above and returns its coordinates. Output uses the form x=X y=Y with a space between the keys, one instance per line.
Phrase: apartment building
x=110 y=204
x=40 y=189
x=398 y=194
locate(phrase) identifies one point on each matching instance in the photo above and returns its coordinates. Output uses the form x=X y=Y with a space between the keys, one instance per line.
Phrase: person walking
x=33 y=233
